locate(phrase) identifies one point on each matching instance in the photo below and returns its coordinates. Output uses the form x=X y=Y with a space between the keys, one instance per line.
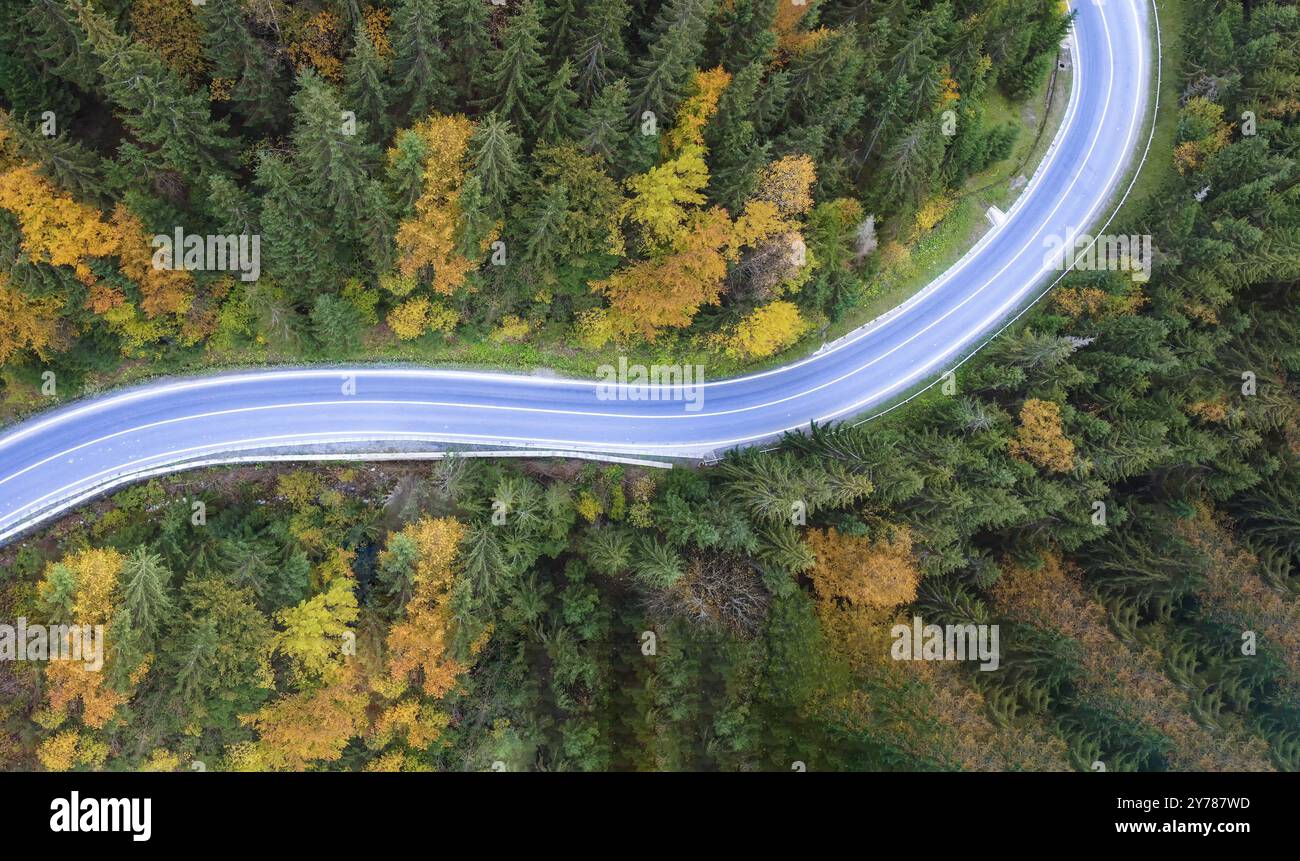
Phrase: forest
x=719 y=178
x=1113 y=481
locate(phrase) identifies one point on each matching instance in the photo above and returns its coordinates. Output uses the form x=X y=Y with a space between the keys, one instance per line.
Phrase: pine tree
x=419 y=60
x=516 y=68
x=558 y=115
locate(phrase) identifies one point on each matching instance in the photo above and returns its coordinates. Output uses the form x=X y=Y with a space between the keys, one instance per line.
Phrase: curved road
x=64 y=457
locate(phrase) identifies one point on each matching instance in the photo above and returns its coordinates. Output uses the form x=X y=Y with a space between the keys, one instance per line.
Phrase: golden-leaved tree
x=92 y=576
x=419 y=646
x=1040 y=439
x=26 y=323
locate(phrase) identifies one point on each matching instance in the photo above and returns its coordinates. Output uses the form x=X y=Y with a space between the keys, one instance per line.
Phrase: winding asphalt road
x=57 y=460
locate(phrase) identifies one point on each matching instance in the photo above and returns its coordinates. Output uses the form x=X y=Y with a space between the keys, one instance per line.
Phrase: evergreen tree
x=516 y=68
x=495 y=151
x=146 y=594
x=60 y=42
x=676 y=41
x=561 y=21
x=336 y=325
x=558 y=117
x=156 y=105
x=467 y=23
x=735 y=154
x=365 y=90
x=419 y=60
x=235 y=55
x=331 y=160
x=605 y=127
x=602 y=54
x=66 y=162
x=744 y=34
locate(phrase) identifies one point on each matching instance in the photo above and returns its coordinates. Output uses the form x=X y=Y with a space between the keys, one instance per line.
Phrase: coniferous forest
x=1112 y=481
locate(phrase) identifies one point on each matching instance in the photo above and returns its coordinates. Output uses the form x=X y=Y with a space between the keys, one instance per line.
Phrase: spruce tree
x=146 y=594
x=558 y=116
x=602 y=54
x=66 y=162
x=735 y=153
x=605 y=126
x=60 y=41
x=419 y=61
x=561 y=22
x=468 y=25
x=495 y=151
x=744 y=34
x=676 y=41
x=234 y=54
x=517 y=68
x=156 y=105
x=331 y=160
x=365 y=90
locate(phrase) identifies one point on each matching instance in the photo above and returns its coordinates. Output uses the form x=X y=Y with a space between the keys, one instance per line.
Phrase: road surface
x=57 y=460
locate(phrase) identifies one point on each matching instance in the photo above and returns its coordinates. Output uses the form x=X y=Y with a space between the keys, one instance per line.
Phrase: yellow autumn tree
x=59 y=231
x=419 y=725
x=767 y=330
x=866 y=572
x=313 y=631
x=418 y=645
x=1203 y=131
x=56 y=229
x=69 y=749
x=26 y=323
x=162 y=291
x=695 y=111
x=429 y=239
x=310 y=726
x=95 y=574
x=664 y=197
x=317 y=43
x=666 y=292
x=787 y=183
x=1040 y=439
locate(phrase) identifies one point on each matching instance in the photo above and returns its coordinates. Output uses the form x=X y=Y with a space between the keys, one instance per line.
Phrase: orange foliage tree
x=1040 y=438
x=26 y=323
x=418 y=645
x=95 y=574
x=430 y=238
